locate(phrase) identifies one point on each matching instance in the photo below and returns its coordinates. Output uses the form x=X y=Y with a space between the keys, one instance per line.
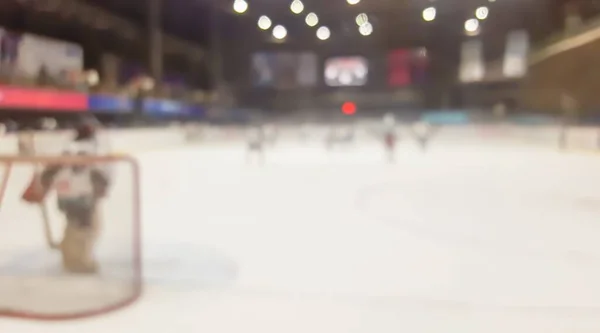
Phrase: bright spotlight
x=482 y=13
x=240 y=6
x=352 y=2
x=472 y=26
x=361 y=19
x=323 y=33
x=429 y=14
x=264 y=22
x=297 y=7
x=366 y=29
x=312 y=19
x=279 y=32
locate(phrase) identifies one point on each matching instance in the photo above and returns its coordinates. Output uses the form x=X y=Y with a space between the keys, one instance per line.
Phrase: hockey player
x=79 y=190
x=389 y=136
x=330 y=138
x=422 y=132
x=348 y=135
x=256 y=143
x=270 y=134
x=339 y=137
x=26 y=142
x=304 y=132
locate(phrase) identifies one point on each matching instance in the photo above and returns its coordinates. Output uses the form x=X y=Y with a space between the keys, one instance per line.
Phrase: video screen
x=346 y=71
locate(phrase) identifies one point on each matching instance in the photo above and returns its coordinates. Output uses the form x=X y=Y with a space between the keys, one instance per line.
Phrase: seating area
x=564 y=71
x=90 y=82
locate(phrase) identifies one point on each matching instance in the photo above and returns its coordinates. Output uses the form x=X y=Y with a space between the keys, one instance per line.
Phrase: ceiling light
x=264 y=22
x=429 y=14
x=482 y=13
x=366 y=29
x=323 y=33
x=472 y=26
x=361 y=19
x=297 y=7
x=279 y=32
x=240 y=6
x=312 y=19
x=352 y=2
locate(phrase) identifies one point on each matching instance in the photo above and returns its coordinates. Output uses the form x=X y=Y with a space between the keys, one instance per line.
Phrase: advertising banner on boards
x=112 y=104
x=42 y=100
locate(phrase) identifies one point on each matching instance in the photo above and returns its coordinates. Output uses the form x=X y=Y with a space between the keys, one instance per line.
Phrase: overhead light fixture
x=352 y=2
x=361 y=19
x=297 y=7
x=472 y=27
x=240 y=6
x=279 y=32
x=312 y=19
x=429 y=14
x=264 y=22
x=323 y=33
x=366 y=29
x=482 y=13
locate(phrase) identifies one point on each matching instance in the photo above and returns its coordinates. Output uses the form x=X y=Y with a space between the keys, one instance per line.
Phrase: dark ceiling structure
x=396 y=23
x=400 y=22
x=186 y=19
x=190 y=26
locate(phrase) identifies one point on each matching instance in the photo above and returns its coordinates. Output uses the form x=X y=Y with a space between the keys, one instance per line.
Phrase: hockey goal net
x=35 y=282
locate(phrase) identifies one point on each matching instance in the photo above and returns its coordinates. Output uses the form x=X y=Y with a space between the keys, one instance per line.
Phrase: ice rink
x=464 y=238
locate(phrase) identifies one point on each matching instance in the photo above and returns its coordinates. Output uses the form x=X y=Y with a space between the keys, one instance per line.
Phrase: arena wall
x=134 y=141
x=113 y=140
x=554 y=137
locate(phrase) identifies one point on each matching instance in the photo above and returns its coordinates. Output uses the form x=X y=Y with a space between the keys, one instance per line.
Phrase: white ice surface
x=463 y=239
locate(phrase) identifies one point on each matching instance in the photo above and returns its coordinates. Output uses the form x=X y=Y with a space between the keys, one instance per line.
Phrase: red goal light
x=349 y=108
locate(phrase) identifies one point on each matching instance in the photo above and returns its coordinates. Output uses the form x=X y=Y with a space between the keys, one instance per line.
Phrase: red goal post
x=33 y=283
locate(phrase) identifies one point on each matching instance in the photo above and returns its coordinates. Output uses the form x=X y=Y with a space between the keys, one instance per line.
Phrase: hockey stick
x=5 y=179
x=52 y=244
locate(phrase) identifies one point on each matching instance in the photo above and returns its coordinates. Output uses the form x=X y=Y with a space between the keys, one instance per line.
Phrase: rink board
x=543 y=136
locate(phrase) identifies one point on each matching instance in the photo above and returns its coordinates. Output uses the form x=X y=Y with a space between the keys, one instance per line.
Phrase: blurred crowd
x=87 y=81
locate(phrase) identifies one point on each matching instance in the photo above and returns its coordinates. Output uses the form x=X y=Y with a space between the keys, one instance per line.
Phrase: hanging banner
x=419 y=66
x=399 y=68
x=515 y=55
x=263 y=69
x=42 y=100
x=472 y=67
x=284 y=70
x=306 y=73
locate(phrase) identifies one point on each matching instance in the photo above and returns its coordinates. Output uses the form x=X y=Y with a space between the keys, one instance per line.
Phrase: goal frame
x=137 y=279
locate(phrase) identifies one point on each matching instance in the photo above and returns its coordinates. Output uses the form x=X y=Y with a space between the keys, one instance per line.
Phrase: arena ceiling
x=394 y=22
